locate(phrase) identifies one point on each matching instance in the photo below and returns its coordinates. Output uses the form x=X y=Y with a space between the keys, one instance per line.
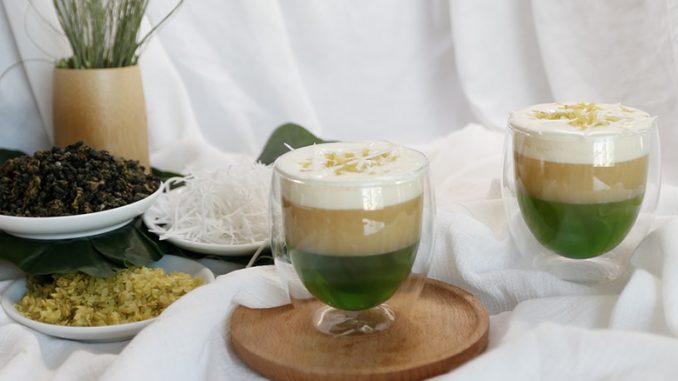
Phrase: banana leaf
x=164 y=175
x=101 y=255
x=290 y=134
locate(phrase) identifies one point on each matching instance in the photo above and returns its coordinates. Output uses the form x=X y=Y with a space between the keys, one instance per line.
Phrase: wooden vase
x=103 y=107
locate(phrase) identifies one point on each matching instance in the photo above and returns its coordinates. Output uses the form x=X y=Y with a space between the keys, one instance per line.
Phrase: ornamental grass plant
x=104 y=33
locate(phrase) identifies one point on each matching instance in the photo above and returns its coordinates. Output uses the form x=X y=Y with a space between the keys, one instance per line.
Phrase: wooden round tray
x=445 y=328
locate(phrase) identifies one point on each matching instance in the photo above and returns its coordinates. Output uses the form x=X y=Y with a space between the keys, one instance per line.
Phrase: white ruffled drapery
x=226 y=73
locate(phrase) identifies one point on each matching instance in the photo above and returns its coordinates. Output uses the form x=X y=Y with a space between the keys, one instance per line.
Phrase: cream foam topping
x=355 y=175
x=582 y=133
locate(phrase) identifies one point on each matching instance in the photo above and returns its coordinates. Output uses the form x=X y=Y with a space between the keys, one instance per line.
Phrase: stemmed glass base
x=586 y=271
x=341 y=323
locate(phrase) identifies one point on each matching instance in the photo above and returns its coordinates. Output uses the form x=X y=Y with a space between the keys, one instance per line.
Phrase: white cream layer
x=622 y=135
x=368 y=182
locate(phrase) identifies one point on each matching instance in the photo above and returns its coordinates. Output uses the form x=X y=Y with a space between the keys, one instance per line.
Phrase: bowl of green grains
x=72 y=192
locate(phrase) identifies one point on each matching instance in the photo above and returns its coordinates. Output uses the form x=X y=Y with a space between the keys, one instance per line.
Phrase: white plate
x=80 y=225
x=204 y=248
x=117 y=332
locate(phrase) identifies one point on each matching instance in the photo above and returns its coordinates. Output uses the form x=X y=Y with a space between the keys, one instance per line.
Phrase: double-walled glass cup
x=580 y=186
x=352 y=232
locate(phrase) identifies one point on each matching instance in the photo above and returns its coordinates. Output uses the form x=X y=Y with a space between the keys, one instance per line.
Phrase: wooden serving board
x=446 y=327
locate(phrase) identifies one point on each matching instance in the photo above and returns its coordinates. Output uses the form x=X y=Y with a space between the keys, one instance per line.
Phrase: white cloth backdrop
x=222 y=74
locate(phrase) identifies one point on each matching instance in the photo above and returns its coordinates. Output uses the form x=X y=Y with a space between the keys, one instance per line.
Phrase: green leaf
x=6 y=154
x=291 y=134
x=129 y=247
x=102 y=255
x=164 y=175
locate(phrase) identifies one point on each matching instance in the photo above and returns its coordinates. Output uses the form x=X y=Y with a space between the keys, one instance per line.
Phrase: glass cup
x=580 y=186
x=352 y=232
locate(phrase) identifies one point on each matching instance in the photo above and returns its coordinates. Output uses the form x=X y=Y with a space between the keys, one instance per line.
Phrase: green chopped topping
x=354 y=162
x=581 y=115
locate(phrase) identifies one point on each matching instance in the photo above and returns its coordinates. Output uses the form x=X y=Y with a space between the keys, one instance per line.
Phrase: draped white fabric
x=228 y=72
x=441 y=75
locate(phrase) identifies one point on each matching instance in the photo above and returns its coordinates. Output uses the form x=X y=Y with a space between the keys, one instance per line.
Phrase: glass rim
x=560 y=135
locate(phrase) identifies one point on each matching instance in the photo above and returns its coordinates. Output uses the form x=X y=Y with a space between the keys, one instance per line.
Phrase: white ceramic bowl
x=117 y=332
x=80 y=225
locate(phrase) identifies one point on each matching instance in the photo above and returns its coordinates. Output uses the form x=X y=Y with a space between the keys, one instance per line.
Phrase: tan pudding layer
x=581 y=183
x=353 y=232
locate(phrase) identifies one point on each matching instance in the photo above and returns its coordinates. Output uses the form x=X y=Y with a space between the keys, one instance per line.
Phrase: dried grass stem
x=104 y=33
